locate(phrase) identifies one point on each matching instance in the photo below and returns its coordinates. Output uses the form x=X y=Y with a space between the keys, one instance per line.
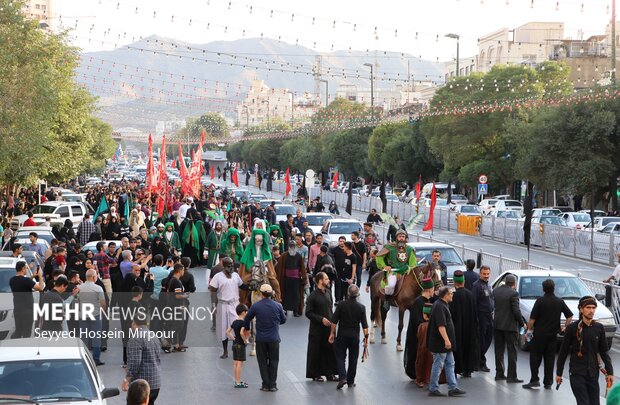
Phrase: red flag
x=183 y=171
x=234 y=177
x=212 y=172
x=418 y=188
x=287 y=180
x=173 y=165
x=150 y=169
x=429 y=224
x=163 y=180
x=335 y=183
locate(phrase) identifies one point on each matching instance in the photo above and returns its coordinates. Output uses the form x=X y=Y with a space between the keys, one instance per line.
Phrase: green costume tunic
x=174 y=241
x=214 y=244
x=399 y=261
x=226 y=248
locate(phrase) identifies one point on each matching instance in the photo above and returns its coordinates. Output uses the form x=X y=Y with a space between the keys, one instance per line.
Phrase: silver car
x=449 y=256
x=567 y=286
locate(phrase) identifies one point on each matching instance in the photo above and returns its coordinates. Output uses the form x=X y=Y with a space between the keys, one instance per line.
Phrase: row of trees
x=529 y=125
x=47 y=130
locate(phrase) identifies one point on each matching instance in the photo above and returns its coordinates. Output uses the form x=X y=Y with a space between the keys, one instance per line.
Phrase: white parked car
x=449 y=256
x=457 y=199
x=39 y=372
x=487 y=206
x=613 y=228
x=509 y=205
x=510 y=214
x=567 y=286
x=58 y=211
x=467 y=210
x=282 y=210
x=333 y=229
x=545 y=212
x=7 y=321
x=576 y=220
x=316 y=220
x=601 y=222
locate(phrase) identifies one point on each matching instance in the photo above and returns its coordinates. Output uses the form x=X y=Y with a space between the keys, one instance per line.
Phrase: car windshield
x=512 y=203
x=568 y=288
x=41 y=235
x=469 y=208
x=340 y=228
x=490 y=202
x=317 y=220
x=285 y=210
x=458 y=197
x=5 y=277
x=44 y=209
x=581 y=217
x=544 y=213
x=441 y=202
x=448 y=255
x=46 y=379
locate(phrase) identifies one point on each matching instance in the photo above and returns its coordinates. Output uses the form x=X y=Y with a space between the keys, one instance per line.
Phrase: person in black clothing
x=349 y=315
x=373 y=217
x=321 y=358
x=441 y=266
x=470 y=275
x=52 y=299
x=464 y=315
x=373 y=269
x=415 y=319
x=545 y=322
x=391 y=234
x=190 y=287
x=337 y=252
x=485 y=305
x=22 y=287
x=359 y=248
x=585 y=342
x=237 y=333
x=347 y=273
x=178 y=299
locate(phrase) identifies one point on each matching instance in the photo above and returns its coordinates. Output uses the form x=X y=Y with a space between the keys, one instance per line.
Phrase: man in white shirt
x=616 y=274
x=183 y=208
x=92 y=294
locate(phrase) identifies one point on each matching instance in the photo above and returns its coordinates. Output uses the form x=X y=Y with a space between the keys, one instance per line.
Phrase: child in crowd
x=240 y=339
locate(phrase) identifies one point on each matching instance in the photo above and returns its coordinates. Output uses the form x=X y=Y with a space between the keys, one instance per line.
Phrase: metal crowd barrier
x=612 y=297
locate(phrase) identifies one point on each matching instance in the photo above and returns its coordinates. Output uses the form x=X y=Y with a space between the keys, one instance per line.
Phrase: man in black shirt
x=347 y=273
x=441 y=339
x=485 y=305
x=359 y=248
x=585 y=342
x=337 y=252
x=350 y=314
x=545 y=322
x=53 y=299
x=373 y=217
x=22 y=287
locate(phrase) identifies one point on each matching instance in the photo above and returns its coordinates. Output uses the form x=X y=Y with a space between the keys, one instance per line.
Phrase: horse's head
x=426 y=270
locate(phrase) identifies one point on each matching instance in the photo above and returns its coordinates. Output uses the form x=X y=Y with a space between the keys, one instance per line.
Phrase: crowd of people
x=261 y=269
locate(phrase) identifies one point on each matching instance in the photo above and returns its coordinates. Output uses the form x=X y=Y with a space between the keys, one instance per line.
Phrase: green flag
x=103 y=207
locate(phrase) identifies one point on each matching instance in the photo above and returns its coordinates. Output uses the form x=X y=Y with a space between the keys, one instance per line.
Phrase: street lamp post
x=457 y=37
x=372 y=90
x=326 y=92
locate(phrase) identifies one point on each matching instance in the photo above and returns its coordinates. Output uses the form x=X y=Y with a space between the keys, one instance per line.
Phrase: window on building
x=37 y=6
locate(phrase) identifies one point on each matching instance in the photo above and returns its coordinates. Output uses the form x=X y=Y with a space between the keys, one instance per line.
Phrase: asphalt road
x=199 y=376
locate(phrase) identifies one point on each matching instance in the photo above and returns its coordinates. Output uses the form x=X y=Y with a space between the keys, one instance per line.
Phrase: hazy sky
x=324 y=25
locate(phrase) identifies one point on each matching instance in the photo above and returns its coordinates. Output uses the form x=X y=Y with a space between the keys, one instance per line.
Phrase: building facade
x=41 y=10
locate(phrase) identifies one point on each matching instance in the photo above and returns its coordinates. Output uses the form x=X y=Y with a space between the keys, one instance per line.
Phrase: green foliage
x=301 y=153
x=275 y=124
x=45 y=117
x=213 y=125
x=349 y=150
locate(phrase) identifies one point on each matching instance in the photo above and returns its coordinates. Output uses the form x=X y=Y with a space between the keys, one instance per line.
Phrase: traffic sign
x=483 y=179
x=483 y=189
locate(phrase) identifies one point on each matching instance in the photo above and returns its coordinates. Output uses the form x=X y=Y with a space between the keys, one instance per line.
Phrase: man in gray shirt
x=90 y=328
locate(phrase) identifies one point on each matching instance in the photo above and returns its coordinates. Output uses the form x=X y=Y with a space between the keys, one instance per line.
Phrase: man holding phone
x=23 y=301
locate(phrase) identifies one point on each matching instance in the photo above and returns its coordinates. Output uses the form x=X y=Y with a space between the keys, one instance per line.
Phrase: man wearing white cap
x=269 y=316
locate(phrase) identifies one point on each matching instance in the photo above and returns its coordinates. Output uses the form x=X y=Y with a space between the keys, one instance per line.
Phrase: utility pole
x=326 y=92
x=457 y=37
x=613 y=43
x=372 y=90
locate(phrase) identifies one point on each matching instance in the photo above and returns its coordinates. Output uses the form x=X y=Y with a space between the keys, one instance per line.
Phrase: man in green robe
x=171 y=238
x=214 y=243
x=258 y=249
x=275 y=238
x=231 y=245
x=395 y=259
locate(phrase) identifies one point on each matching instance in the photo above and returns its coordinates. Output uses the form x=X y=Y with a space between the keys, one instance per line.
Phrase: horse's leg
x=375 y=305
x=383 y=316
x=253 y=337
x=401 y=315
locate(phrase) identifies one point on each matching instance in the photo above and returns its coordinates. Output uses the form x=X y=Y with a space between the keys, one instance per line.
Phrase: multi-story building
x=467 y=66
x=390 y=99
x=41 y=10
x=589 y=60
x=529 y=44
x=168 y=127
x=263 y=103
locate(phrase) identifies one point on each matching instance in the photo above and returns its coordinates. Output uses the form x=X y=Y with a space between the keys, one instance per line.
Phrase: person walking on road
x=349 y=315
x=465 y=319
x=441 y=339
x=321 y=358
x=269 y=316
x=585 y=342
x=485 y=305
x=508 y=319
x=545 y=322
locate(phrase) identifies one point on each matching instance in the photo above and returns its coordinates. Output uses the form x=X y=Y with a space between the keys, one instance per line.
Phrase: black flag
x=350 y=198
x=527 y=224
x=269 y=181
x=247 y=178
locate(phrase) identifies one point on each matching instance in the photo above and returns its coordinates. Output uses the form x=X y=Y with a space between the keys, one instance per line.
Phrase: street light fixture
x=372 y=90
x=326 y=92
x=457 y=37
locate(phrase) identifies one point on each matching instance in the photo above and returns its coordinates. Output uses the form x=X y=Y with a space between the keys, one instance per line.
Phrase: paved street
x=199 y=374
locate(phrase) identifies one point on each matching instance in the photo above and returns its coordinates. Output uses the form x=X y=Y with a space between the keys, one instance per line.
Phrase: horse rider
x=395 y=259
x=258 y=249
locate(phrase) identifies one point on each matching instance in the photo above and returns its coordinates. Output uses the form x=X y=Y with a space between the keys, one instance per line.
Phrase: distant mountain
x=158 y=96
